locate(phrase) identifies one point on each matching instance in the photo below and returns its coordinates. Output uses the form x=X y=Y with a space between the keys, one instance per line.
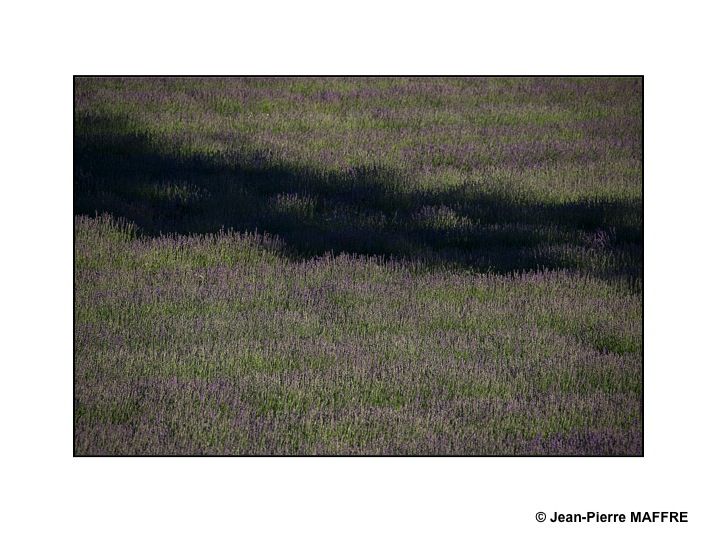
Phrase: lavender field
x=358 y=266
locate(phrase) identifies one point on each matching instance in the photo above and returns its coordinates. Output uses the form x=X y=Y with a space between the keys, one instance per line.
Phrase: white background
x=46 y=493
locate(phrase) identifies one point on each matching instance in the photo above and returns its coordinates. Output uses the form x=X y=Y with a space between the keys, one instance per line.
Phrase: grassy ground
x=358 y=266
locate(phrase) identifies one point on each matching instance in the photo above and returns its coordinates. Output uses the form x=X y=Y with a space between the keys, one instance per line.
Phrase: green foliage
x=358 y=266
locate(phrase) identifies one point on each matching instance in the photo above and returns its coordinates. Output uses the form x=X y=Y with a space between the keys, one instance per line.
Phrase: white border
x=47 y=493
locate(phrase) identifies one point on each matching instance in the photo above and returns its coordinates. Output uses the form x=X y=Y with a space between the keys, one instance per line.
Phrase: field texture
x=390 y=266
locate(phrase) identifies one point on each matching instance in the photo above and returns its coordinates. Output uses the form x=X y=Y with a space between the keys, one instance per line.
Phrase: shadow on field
x=361 y=210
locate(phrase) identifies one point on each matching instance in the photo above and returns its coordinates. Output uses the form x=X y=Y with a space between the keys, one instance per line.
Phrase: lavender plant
x=358 y=266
